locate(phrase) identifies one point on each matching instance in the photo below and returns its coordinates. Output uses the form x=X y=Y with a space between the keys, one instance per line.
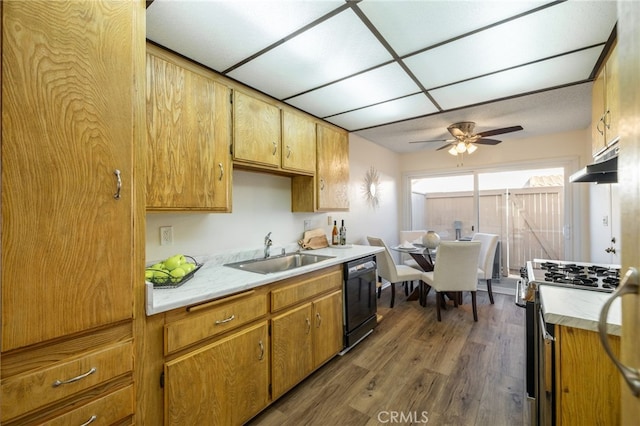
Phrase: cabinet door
x=224 y=383
x=597 y=114
x=256 y=131
x=298 y=142
x=188 y=139
x=292 y=358
x=328 y=328
x=612 y=112
x=333 y=169
x=68 y=108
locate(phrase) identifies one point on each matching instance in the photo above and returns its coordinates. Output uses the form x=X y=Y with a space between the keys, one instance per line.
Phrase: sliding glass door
x=524 y=207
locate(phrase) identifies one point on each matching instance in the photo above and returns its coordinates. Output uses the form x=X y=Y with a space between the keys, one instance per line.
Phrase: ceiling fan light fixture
x=461 y=147
x=453 y=151
x=471 y=148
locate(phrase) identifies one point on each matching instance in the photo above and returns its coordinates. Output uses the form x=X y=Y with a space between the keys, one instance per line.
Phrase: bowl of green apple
x=171 y=272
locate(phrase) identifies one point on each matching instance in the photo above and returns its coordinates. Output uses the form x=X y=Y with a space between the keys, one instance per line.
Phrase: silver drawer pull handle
x=118 y=184
x=261 y=357
x=74 y=379
x=288 y=151
x=91 y=420
x=628 y=285
x=275 y=148
x=221 y=171
x=318 y=320
x=226 y=320
x=308 y=325
x=321 y=184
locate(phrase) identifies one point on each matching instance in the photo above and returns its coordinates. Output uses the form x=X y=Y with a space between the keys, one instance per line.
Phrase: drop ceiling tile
x=516 y=42
x=399 y=109
x=412 y=25
x=541 y=75
x=378 y=85
x=334 y=49
x=220 y=34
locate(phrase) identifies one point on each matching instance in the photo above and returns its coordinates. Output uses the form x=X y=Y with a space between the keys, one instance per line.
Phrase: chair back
x=386 y=265
x=457 y=266
x=488 y=244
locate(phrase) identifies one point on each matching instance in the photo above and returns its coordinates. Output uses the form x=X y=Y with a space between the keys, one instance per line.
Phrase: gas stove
x=579 y=275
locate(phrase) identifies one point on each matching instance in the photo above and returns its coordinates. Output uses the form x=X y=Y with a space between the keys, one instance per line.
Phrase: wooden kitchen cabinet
x=225 y=382
x=328 y=190
x=332 y=173
x=298 y=142
x=188 y=136
x=256 y=131
x=306 y=336
x=605 y=108
x=587 y=382
x=72 y=114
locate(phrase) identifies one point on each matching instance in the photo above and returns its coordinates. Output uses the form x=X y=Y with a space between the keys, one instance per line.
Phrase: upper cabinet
x=256 y=131
x=332 y=173
x=188 y=136
x=605 y=109
x=298 y=142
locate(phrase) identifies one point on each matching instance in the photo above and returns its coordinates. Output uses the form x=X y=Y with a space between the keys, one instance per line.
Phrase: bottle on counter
x=343 y=234
x=335 y=240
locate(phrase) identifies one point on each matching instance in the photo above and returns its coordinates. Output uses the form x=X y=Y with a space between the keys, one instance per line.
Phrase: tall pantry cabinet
x=72 y=208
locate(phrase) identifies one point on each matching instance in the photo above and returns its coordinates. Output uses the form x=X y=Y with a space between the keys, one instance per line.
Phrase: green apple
x=173 y=262
x=148 y=275
x=177 y=274
x=160 y=277
x=188 y=267
x=159 y=266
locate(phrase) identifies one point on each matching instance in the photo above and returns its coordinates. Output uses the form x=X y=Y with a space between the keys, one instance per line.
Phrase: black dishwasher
x=360 y=304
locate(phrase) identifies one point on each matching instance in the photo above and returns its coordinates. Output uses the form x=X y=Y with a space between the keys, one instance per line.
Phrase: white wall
x=262 y=203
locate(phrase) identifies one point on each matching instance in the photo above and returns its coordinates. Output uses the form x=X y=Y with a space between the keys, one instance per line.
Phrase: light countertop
x=579 y=308
x=214 y=280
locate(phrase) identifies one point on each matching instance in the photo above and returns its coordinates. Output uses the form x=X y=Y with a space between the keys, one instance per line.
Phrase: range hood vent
x=604 y=170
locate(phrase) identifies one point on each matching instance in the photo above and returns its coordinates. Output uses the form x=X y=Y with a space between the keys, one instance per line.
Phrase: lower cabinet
x=587 y=382
x=304 y=338
x=225 y=383
x=228 y=359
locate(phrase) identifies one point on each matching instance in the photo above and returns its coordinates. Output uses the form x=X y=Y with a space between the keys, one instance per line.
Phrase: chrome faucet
x=267 y=245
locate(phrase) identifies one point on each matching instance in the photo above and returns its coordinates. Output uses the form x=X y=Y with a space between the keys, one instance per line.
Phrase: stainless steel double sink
x=280 y=263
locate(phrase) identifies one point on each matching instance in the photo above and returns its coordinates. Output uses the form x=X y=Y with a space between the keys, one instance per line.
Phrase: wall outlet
x=166 y=235
x=307 y=224
x=329 y=221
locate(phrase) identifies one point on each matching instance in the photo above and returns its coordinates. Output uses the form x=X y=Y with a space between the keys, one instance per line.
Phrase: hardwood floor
x=415 y=370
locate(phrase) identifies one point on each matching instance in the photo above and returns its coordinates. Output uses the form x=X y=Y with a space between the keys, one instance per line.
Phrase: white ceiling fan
x=464 y=140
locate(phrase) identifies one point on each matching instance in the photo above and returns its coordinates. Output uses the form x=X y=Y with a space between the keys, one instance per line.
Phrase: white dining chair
x=388 y=270
x=488 y=245
x=455 y=271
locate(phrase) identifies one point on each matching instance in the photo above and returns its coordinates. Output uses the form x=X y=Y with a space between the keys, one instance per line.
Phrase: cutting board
x=314 y=239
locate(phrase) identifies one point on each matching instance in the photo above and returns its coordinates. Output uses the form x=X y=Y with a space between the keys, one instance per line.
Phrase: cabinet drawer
x=303 y=290
x=212 y=319
x=104 y=411
x=27 y=392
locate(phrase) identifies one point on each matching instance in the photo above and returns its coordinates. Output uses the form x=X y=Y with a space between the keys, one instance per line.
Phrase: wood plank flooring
x=415 y=370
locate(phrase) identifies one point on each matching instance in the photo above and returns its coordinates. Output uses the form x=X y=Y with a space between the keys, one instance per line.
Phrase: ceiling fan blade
x=484 y=141
x=444 y=147
x=500 y=131
x=433 y=140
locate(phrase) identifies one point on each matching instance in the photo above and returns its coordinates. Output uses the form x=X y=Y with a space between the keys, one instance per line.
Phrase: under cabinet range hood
x=604 y=170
